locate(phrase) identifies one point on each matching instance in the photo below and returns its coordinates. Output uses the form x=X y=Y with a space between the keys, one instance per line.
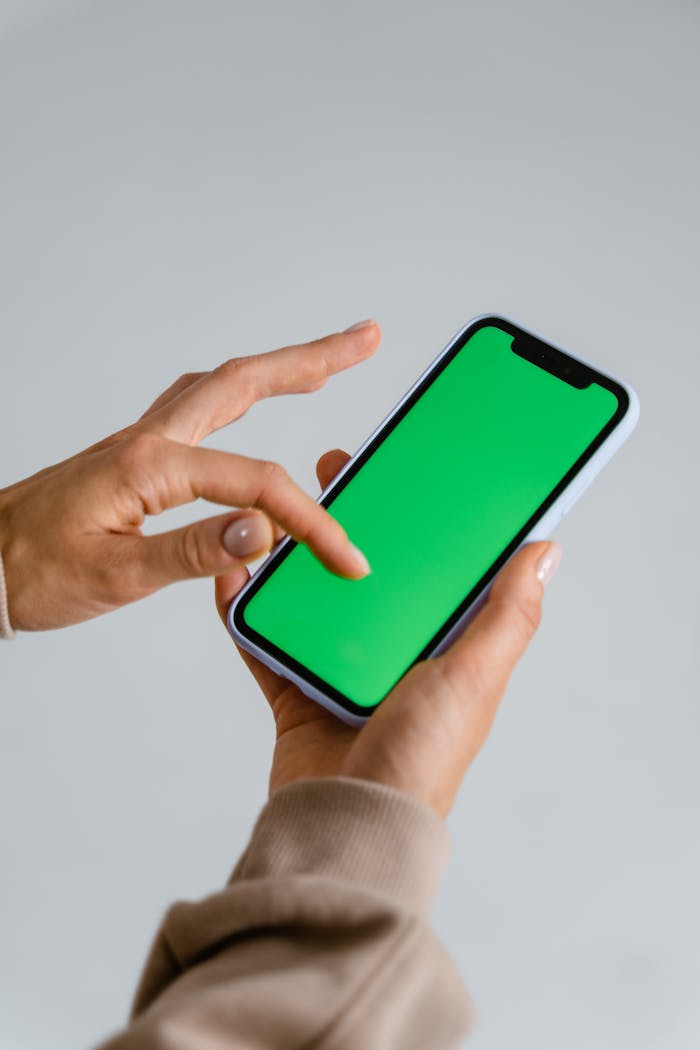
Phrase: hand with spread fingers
x=425 y=734
x=71 y=538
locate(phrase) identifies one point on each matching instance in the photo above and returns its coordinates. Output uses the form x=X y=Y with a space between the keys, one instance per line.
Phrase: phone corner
x=231 y=625
x=354 y=721
x=629 y=407
x=350 y=718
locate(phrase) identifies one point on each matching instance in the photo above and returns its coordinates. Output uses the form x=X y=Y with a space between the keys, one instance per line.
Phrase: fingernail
x=361 y=324
x=360 y=560
x=548 y=563
x=245 y=536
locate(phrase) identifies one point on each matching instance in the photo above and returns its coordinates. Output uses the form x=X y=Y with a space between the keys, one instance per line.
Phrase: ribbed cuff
x=5 y=625
x=352 y=830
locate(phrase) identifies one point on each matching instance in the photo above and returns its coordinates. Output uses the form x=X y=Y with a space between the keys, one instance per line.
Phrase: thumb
x=487 y=652
x=211 y=547
x=426 y=733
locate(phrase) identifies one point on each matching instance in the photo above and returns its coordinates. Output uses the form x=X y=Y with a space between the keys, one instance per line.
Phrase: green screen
x=432 y=508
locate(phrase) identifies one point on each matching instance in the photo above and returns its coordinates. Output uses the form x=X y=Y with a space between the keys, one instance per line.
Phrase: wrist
x=8 y=566
x=6 y=630
x=4 y=516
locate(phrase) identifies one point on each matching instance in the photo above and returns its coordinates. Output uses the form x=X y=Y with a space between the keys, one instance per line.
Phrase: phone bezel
x=323 y=691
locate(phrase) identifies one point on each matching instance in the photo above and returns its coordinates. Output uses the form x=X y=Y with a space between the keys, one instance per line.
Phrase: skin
x=429 y=729
x=71 y=535
x=73 y=548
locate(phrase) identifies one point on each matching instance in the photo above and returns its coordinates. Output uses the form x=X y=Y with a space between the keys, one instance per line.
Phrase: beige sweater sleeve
x=319 y=940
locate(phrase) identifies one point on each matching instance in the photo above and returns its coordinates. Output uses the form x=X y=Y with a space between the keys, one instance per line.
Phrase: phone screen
x=437 y=503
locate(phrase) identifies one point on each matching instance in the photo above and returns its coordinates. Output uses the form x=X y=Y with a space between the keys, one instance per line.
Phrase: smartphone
x=487 y=451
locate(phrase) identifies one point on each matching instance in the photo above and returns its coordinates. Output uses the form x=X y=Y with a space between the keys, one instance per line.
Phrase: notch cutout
x=556 y=362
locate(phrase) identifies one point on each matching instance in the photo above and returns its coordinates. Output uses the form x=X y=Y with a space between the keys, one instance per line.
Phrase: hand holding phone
x=427 y=732
x=486 y=452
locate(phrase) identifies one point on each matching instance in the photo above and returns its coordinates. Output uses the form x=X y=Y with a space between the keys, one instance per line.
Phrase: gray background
x=185 y=181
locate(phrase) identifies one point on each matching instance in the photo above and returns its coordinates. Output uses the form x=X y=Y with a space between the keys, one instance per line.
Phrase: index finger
x=166 y=474
x=228 y=391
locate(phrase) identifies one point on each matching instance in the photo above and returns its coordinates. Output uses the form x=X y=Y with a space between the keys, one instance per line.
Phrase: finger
x=176 y=388
x=429 y=729
x=228 y=391
x=226 y=587
x=173 y=390
x=330 y=464
x=272 y=684
x=222 y=544
x=486 y=654
x=166 y=474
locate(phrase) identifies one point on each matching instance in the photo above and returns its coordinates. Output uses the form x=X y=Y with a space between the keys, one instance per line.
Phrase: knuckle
x=439 y=673
x=452 y=689
x=527 y=614
x=474 y=671
x=139 y=448
x=117 y=438
x=239 y=372
x=272 y=476
x=280 y=495
x=187 y=379
x=122 y=574
x=125 y=434
x=231 y=368
x=192 y=553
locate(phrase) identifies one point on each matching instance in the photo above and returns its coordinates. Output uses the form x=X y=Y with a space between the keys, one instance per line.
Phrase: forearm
x=320 y=938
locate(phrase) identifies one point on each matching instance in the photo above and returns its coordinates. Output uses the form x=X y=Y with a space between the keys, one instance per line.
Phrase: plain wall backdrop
x=185 y=181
